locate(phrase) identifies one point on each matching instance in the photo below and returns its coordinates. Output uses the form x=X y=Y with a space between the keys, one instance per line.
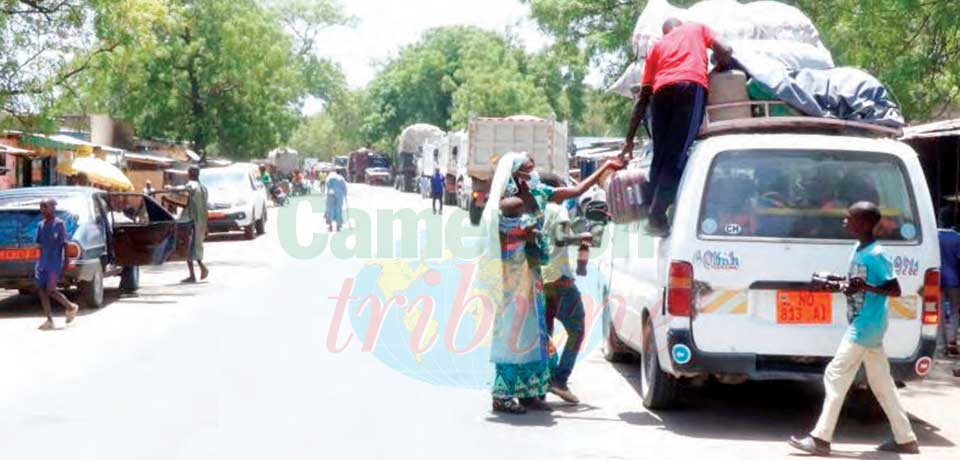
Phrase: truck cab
x=728 y=294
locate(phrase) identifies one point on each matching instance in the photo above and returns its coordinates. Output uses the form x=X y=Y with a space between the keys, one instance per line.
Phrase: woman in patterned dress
x=520 y=339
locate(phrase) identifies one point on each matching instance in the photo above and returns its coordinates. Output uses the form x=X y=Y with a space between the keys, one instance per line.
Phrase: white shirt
x=553 y=217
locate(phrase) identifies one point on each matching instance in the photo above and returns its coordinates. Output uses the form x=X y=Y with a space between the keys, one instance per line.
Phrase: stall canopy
x=97 y=171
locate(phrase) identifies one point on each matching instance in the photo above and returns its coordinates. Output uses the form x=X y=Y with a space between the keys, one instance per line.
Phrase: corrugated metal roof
x=945 y=128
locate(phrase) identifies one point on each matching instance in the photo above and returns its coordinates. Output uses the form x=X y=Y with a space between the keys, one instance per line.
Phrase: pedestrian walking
x=52 y=239
x=195 y=210
x=436 y=191
x=520 y=342
x=564 y=302
x=336 y=201
x=949 y=283
x=322 y=178
x=675 y=82
x=871 y=281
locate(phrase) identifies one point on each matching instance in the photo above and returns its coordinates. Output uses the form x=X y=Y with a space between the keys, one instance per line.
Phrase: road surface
x=239 y=367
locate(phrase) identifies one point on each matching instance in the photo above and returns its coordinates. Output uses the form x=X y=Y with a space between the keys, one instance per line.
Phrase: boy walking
x=871 y=282
x=564 y=301
x=52 y=239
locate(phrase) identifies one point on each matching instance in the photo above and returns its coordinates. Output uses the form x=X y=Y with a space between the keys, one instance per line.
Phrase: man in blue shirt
x=949 y=282
x=52 y=239
x=436 y=190
x=871 y=281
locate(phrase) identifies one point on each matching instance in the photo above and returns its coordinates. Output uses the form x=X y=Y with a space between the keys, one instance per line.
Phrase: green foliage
x=455 y=72
x=912 y=46
x=46 y=45
x=335 y=131
x=227 y=75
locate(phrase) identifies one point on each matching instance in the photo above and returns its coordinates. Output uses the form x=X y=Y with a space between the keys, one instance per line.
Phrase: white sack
x=629 y=83
x=793 y=55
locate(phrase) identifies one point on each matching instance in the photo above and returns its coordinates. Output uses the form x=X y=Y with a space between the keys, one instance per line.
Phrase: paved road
x=238 y=367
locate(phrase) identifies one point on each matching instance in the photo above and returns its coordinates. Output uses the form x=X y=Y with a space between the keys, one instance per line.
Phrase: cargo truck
x=488 y=139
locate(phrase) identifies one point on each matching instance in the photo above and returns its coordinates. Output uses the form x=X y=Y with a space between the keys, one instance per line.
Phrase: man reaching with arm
x=675 y=82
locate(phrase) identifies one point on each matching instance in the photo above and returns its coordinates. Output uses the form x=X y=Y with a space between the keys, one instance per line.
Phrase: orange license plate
x=20 y=254
x=804 y=307
x=215 y=215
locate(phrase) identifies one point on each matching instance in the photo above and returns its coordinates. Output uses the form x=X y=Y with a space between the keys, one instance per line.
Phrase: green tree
x=448 y=75
x=912 y=46
x=336 y=130
x=47 y=45
x=227 y=75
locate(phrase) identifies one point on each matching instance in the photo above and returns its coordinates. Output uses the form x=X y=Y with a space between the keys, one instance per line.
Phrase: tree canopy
x=453 y=72
x=227 y=75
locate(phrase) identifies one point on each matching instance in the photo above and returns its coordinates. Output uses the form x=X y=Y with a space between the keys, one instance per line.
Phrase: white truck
x=729 y=295
x=487 y=139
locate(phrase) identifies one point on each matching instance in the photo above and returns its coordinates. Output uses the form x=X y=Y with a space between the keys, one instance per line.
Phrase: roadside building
x=938 y=145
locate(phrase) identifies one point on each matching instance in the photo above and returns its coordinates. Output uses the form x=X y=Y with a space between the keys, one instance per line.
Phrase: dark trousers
x=436 y=198
x=564 y=303
x=677 y=112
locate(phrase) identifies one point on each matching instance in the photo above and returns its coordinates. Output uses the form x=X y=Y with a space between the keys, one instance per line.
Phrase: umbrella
x=98 y=172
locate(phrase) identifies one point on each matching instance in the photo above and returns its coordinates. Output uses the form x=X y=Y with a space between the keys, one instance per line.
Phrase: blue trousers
x=565 y=304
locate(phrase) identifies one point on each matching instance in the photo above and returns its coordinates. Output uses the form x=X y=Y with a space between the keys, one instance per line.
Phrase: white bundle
x=792 y=54
x=629 y=82
x=778 y=21
x=649 y=26
x=730 y=20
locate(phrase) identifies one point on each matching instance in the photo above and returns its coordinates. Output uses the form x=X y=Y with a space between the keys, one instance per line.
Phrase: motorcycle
x=278 y=195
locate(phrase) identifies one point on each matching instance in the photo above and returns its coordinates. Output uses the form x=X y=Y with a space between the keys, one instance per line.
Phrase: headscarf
x=490 y=261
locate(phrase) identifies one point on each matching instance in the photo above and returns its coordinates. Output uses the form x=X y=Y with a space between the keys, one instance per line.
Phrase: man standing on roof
x=675 y=81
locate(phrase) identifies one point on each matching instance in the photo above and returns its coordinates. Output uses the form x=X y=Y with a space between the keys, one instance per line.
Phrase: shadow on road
x=28 y=305
x=227 y=237
x=761 y=411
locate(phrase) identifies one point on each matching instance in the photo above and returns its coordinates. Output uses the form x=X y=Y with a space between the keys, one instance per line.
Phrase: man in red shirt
x=675 y=77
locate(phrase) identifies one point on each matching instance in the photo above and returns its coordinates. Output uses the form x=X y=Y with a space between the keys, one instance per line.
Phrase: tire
x=130 y=279
x=475 y=214
x=91 y=292
x=261 y=224
x=658 y=388
x=614 y=350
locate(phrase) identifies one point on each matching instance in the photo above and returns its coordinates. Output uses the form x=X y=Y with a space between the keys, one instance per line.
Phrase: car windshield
x=73 y=204
x=379 y=162
x=804 y=195
x=224 y=178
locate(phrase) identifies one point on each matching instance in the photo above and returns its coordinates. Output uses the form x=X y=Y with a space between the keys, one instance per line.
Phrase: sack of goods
x=780 y=51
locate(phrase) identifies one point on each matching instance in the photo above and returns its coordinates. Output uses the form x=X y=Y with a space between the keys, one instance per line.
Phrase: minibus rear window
x=804 y=195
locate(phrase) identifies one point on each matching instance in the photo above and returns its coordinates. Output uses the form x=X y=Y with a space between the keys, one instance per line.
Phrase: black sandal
x=509 y=406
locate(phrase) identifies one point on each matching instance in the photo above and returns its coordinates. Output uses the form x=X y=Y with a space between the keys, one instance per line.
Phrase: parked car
x=111 y=234
x=378 y=176
x=237 y=199
x=729 y=294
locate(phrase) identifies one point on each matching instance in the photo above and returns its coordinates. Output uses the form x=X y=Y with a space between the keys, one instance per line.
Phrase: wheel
x=91 y=292
x=475 y=213
x=26 y=291
x=261 y=224
x=659 y=388
x=614 y=350
x=130 y=279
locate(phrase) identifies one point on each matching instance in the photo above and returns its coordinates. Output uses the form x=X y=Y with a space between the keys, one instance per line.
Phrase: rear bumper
x=22 y=277
x=686 y=359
